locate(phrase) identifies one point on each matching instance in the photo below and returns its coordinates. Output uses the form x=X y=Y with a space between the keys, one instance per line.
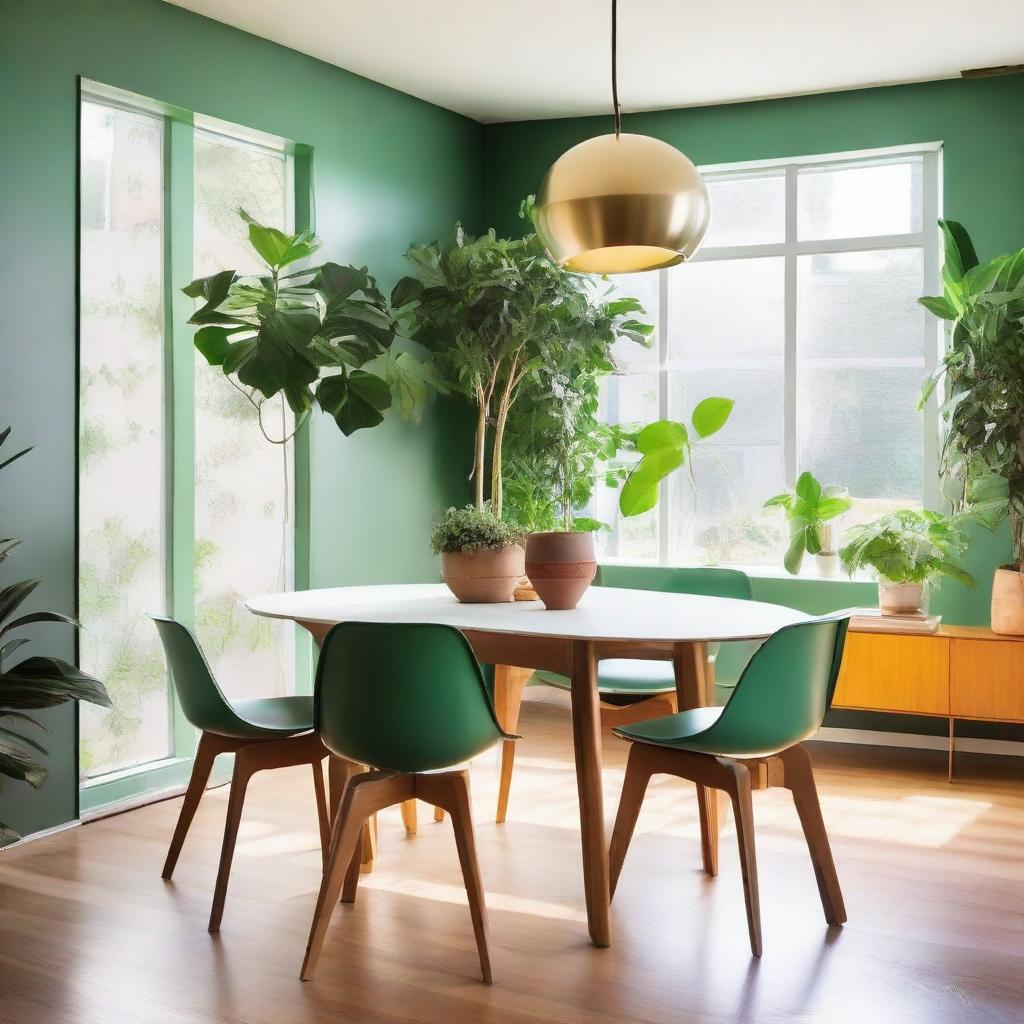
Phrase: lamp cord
x=615 y=68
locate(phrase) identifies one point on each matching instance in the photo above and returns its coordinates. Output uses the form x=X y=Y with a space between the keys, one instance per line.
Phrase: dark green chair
x=409 y=701
x=274 y=732
x=633 y=690
x=755 y=741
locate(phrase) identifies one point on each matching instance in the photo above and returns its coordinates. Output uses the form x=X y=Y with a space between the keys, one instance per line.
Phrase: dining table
x=608 y=622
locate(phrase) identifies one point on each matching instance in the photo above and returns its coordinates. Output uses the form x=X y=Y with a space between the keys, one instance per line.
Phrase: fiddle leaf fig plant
x=32 y=683
x=807 y=508
x=983 y=374
x=664 y=446
x=319 y=335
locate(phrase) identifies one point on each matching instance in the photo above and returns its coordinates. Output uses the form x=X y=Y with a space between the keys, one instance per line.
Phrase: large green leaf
x=960 y=254
x=4 y=434
x=13 y=595
x=17 y=763
x=938 y=305
x=640 y=491
x=355 y=400
x=276 y=358
x=794 y=555
x=43 y=682
x=411 y=381
x=808 y=488
x=407 y=290
x=215 y=343
x=662 y=434
x=710 y=415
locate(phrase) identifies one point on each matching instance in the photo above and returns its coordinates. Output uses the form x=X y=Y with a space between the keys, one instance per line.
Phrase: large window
x=801 y=306
x=184 y=507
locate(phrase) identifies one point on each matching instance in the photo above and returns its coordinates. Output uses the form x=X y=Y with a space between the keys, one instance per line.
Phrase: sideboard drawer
x=883 y=672
x=987 y=679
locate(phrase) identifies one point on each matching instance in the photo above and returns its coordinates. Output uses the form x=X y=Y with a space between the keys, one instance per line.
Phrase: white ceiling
x=507 y=60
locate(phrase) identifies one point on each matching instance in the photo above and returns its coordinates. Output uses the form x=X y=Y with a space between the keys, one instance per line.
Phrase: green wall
x=388 y=169
x=983 y=171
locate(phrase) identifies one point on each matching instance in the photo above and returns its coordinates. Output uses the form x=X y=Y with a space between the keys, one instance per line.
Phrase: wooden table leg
x=509 y=684
x=693 y=690
x=586 y=735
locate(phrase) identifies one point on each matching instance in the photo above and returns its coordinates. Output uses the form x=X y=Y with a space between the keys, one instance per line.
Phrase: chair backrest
x=705 y=581
x=783 y=694
x=198 y=693
x=405 y=697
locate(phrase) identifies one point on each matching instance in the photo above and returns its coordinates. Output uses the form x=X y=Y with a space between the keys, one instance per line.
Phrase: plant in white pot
x=983 y=377
x=482 y=558
x=908 y=549
x=813 y=513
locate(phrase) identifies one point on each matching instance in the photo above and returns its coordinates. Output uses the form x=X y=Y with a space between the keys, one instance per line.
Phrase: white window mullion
x=664 y=519
x=790 y=413
x=934 y=329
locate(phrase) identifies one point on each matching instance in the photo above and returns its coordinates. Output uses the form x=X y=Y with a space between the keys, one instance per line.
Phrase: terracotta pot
x=483 y=577
x=895 y=598
x=1007 y=601
x=561 y=566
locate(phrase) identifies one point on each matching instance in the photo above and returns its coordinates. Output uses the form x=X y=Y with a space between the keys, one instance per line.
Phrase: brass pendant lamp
x=620 y=204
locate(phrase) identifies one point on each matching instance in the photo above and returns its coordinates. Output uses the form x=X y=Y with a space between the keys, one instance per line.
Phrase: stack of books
x=872 y=619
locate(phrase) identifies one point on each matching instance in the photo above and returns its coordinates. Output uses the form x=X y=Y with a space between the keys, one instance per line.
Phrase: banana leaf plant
x=319 y=335
x=36 y=682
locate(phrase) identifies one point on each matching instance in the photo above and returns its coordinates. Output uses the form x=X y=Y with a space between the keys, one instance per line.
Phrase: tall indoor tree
x=497 y=312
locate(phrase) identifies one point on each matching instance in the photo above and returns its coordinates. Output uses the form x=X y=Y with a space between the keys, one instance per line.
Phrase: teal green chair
x=409 y=701
x=273 y=732
x=755 y=741
x=633 y=690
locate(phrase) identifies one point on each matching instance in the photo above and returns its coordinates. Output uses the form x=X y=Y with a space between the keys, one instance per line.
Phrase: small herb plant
x=664 y=446
x=807 y=507
x=472 y=529
x=909 y=546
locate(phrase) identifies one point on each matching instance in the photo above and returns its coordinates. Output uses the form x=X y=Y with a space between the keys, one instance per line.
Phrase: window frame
x=141 y=782
x=790 y=249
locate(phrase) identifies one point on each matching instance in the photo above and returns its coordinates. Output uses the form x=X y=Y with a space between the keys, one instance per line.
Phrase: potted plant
x=318 y=335
x=908 y=549
x=482 y=558
x=32 y=683
x=983 y=375
x=813 y=513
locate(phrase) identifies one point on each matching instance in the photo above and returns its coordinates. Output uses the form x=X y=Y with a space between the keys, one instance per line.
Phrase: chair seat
x=624 y=676
x=672 y=730
x=284 y=715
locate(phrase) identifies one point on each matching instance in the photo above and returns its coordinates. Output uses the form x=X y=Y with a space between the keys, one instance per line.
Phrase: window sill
x=772 y=572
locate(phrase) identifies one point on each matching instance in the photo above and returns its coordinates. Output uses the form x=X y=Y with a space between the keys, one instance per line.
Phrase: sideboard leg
x=952 y=746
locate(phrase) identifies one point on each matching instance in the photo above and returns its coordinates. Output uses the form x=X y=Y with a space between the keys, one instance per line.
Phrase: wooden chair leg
x=409 y=817
x=210 y=746
x=743 y=808
x=323 y=814
x=452 y=792
x=634 y=786
x=709 y=810
x=364 y=796
x=239 y=781
x=509 y=683
x=340 y=773
x=799 y=780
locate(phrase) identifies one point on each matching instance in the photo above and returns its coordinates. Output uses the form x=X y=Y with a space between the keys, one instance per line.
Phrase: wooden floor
x=933 y=876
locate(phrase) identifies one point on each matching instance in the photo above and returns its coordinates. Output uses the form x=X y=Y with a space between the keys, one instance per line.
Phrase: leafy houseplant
x=318 y=335
x=494 y=312
x=983 y=374
x=32 y=683
x=907 y=549
x=664 y=447
x=810 y=511
x=481 y=556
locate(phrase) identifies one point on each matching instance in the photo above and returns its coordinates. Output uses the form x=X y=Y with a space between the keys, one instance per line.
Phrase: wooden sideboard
x=959 y=672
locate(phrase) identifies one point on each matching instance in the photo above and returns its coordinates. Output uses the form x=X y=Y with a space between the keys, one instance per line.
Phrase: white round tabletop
x=604 y=613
